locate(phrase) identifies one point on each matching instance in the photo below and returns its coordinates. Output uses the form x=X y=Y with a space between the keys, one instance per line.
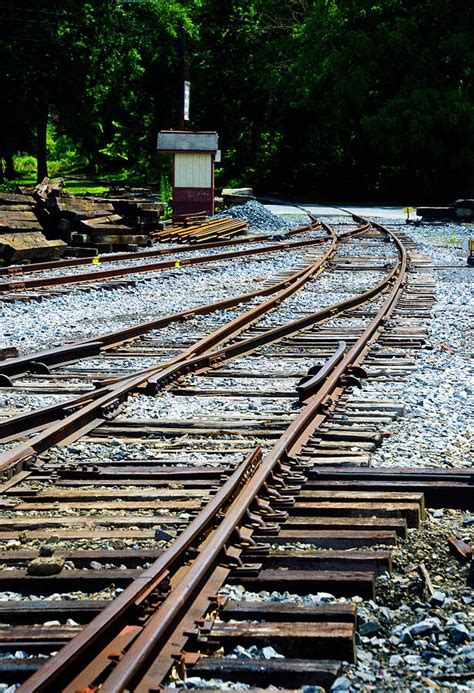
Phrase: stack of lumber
x=142 y=214
x=21 y=234
x=209 y=230
x=105 y=223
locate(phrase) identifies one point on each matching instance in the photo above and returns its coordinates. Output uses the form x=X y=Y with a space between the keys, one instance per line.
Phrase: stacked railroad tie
x=21 y=234
x=202 y=231
x=105 y=223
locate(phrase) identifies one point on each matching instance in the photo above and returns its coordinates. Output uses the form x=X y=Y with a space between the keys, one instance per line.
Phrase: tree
x=92 y=65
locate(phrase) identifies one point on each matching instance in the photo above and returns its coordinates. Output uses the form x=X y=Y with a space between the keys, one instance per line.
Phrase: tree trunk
x=9 y=166
x=41 y=128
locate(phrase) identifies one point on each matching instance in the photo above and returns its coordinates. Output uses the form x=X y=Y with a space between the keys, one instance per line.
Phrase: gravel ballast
x=407 y=638
x=49 y=322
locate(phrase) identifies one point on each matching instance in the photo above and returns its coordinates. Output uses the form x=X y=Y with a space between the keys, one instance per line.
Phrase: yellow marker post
x=177 y=263
x=470 y=257
x=408 y=210
x=96 y=260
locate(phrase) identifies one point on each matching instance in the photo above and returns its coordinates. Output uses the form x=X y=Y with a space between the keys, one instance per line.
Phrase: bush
x=25 y=164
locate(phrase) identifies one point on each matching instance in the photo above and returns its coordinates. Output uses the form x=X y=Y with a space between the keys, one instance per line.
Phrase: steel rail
x=151 y=637
x=198 y=357
x=29 y=363
x=308 y=384
x=269 y=336
x=67 y=353
x=45 y=282
x=120 y=257
x=158 y=627
x=110 y=620
x=104 y=401
x=21 y=364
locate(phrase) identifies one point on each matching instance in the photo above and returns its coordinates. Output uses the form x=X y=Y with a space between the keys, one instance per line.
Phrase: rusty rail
x=70 y=352
x=147 y=587
x=45 y=282
x=150 y=638
x=199 y=356
x=45 y=415
x=95 y=406
x=118 y=257
x=307 y=385
x=265 y=480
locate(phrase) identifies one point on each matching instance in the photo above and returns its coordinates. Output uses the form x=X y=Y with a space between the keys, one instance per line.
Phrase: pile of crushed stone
x=259 y=218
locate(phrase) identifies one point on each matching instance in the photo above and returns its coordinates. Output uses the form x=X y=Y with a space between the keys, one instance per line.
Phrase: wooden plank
x=62 y=495
x=334 y=539
x=177 y=505
x=298 y=524
x=142 y=483
x=81 y=558
x=31 y=634
x=420 y=473
x=331 y=639
x=26 y=612
x=292 y=672
x=14 y=199
x=343 y=496
x=438 y=494
x=135 y=472
x=26 y=524
x=101 y=533
x=271 y=611
x=338 y=583
x=410 y=511
x=355 y=459
x=11 y=214
x=377 y=562
x=67 y=580
x=107 y=219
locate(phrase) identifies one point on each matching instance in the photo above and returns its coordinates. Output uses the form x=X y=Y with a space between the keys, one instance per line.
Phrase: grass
x=453 y=239
x=78 y=184
x=77 y=187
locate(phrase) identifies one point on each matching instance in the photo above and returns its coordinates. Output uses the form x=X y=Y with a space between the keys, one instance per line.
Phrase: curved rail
x=267 y=481
x=65 y=354
x=14 y=270
x=45 y=282
x=104 y=401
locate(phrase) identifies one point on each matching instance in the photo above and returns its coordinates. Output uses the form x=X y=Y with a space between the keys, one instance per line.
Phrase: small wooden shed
x=194 y=154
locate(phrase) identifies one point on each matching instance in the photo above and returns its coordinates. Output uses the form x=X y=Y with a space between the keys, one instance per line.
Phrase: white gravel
x=31 y=326
x=436 y=430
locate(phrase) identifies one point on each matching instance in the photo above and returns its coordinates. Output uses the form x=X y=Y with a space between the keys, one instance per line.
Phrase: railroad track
x=275 y=455
x=162 y=250
x=50 y=276
x=69 y=368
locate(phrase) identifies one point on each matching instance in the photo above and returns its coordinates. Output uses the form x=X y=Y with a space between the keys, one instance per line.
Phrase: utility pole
x=182 y=74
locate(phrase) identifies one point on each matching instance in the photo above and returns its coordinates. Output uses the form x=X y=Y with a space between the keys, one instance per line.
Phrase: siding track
x=242 y=460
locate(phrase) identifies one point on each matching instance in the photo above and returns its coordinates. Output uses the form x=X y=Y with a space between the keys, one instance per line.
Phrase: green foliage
x=166 y=194
x=327 y=97
x=166 y=191
x=81 y=188
x=8 y=187
x=25 y=164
